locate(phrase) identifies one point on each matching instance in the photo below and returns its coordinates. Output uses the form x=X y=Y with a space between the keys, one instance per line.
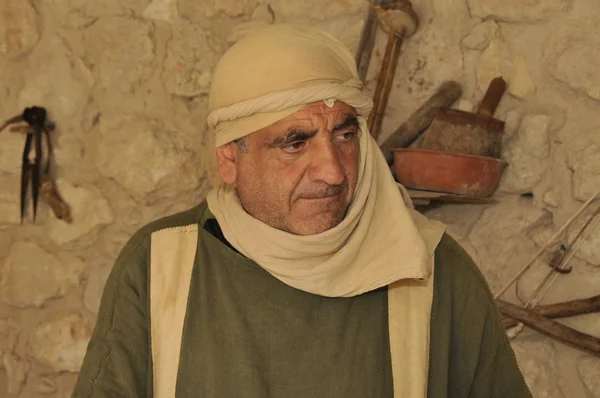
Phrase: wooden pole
x=551 y=328
x=367 y=42
x=561 y=310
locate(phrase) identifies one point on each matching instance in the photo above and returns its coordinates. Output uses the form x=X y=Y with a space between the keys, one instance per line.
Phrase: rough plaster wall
x=126 y=82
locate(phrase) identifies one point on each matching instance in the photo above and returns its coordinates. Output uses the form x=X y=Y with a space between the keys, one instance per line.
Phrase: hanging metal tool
x=32 y=173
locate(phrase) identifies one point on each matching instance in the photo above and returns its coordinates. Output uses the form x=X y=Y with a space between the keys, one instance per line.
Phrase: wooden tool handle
x=367 y=42
x=551 y=328
x=445 y=96
x=492 y=97
x=560 y=310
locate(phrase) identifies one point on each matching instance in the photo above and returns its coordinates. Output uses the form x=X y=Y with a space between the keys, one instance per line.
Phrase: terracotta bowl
x=456 y=173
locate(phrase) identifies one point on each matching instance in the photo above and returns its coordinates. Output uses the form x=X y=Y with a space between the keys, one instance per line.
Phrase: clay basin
x=456 y=173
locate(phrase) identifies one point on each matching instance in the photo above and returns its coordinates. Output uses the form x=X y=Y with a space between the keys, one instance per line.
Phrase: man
x=307 y=273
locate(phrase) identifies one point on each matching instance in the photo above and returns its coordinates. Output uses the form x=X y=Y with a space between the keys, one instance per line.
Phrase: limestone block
x=47 y=386
x=432 y=46
x=89 y=210
x=229 y=8
x=539 y=363
x=55 y=82
x=189 y=62
x=589 y=369
x=161 y=10
x=517 y=10
x=520 y=83
x=60 y=8
x=479 y=37
x=9 y=201
x=113 y=7
x=90 y=116
x=17 y=370
x=551 y=199
x=346 y=29
x=527 y=154
x=31 y=275
x=122 y=52
x=584 y=161
x=152 y=160
x=77 y=19
x=11 y=152
x=459 y=219
x=18 y=28
x=61 y=344
x=512 y=121
x=70 y=157
x=9 y=335
x=195 y=11
x=5 y=241
x=495 y=61
x=95 y=287
x=243 y=29
x=317 y=10
x=499 y=238
x=590 y=247
x=263 y=13
x=572 y=56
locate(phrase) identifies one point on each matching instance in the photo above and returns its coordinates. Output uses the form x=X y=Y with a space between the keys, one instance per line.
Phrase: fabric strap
x=172 y=253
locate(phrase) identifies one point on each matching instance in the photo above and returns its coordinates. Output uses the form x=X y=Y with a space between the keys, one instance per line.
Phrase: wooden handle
x=560 y=310
x=59 y=207
x=445 y=96
x=367 y=42
x=565 y=334
x=492 y=97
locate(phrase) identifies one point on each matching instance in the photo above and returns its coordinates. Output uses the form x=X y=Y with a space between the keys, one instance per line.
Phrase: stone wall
x=126 y=83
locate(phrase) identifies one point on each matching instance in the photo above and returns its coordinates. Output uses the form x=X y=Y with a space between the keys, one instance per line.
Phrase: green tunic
x=246 y=334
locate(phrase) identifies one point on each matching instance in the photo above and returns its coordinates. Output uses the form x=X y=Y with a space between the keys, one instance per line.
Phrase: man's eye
x=294 y=147
x=347 y=136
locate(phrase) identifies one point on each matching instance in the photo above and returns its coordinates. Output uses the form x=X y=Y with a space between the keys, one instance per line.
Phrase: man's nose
x=327 y=165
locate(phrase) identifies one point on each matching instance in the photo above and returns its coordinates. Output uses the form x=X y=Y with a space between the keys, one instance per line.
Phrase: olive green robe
x=246 y=334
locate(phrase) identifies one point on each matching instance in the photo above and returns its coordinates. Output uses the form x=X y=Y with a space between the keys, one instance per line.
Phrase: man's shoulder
x=189 y=217
x=455 y=268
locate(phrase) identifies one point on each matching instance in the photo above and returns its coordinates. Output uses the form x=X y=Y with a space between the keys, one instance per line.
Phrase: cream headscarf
x=267 y=76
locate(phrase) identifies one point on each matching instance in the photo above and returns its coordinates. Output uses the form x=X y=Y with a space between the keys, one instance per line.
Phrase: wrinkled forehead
x=327 y=108
x=316 y=115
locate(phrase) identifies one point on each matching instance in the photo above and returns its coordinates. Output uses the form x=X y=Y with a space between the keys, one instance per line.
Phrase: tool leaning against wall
x=36 y=126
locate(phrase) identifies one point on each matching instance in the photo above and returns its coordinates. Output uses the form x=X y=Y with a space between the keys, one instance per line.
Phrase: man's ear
x=227 y=158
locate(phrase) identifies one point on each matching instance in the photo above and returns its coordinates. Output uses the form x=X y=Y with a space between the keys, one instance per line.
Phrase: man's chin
x=316 y=225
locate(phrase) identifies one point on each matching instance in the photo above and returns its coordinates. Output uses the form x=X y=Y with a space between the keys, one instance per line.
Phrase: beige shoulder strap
x=172 y=253
x=409 y=315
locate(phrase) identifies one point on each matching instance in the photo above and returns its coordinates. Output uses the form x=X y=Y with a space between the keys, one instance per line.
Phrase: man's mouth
x=322 y=197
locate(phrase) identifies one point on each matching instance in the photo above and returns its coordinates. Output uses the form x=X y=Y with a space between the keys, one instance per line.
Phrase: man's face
x=299 y=174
